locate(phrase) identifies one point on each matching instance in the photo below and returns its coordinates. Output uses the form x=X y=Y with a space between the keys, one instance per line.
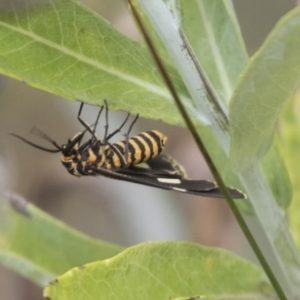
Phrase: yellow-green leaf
x=40 y=247
x=164 y=270
x=268 y=81
x=64 y=48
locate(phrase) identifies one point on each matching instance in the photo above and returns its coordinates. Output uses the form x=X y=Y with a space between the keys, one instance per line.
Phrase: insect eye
x=65 y=151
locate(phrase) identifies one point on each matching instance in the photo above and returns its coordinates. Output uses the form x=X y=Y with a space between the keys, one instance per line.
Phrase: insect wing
x=197 y=187
x=160 y=166
x=165 y=164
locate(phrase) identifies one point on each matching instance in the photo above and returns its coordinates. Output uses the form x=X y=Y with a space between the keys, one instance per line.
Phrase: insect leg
x=107 y=137
x=122 y=154
x=106 y=120
x=117 y=130
x=126 y=151
x=96 y=123
x=86 y=125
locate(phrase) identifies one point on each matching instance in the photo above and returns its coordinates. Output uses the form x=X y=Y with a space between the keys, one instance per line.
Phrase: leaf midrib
x=148 y=86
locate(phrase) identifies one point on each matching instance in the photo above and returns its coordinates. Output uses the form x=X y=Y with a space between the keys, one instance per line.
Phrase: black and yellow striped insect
x=137 y=159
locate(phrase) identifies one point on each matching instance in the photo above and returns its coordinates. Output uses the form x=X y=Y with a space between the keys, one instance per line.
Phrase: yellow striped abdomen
x=141 y=148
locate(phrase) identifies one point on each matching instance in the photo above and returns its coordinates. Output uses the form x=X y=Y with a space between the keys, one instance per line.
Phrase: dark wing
x=162 y=165
x=196 y=187
x=165 y=164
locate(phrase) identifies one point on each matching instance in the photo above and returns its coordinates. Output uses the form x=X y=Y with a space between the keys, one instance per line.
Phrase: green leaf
x=290 y=137
x=81 y=56
x=213 y=32
x=272 y=224
x=163 y=270
x=265 y=86
x=41 y=248
x=277 y=176
x=157 y=42
x=212 y=29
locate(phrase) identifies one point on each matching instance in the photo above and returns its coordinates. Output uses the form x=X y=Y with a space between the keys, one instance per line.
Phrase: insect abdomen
x=141 y=148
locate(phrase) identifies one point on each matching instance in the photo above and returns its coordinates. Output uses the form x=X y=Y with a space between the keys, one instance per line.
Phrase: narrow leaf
x=213 y=32
x=277 y=175
x=265 y=86
x=212 y=29
x=40 y=248
x=290 y=138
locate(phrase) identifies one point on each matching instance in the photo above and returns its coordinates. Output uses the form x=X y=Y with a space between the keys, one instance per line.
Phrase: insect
x=137 y=159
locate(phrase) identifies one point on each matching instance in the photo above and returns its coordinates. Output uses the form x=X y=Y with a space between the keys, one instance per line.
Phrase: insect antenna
x=44 y=136
x=38 y=132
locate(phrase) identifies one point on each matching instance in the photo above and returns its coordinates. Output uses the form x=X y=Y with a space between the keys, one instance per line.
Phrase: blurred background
x=114 y=211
